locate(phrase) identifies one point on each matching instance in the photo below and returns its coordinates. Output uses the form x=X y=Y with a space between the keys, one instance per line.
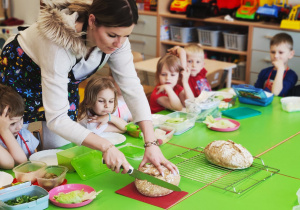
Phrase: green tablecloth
x=273 y=136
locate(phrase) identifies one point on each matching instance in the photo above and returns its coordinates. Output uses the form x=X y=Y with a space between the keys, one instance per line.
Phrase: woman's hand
x=114 y=159
x=154 y=155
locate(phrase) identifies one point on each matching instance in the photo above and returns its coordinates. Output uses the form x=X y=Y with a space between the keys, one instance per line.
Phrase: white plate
x=5 y=178
x=114 y=138
x=47 y=156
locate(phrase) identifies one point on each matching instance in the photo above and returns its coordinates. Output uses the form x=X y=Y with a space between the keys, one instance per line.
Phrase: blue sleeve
x=261 y=79
x=289 y=82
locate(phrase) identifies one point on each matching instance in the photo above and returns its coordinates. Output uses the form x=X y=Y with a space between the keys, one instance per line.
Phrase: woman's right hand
x=114 y=159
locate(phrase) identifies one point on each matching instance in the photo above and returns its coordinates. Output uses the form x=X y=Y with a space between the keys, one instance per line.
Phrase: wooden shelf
x=215 y=49
x=146 y=12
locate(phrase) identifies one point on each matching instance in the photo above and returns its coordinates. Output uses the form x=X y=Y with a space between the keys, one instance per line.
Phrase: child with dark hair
x=279 y=79
x=16 y=142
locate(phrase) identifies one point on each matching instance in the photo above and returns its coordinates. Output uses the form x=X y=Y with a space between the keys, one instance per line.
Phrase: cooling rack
x=193 y=165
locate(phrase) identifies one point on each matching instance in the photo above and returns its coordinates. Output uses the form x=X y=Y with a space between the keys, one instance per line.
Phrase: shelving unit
x=164 y=15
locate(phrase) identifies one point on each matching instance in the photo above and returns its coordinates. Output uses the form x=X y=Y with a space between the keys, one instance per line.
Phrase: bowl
x=290 y=104
x=29 y=171
x=53 y=176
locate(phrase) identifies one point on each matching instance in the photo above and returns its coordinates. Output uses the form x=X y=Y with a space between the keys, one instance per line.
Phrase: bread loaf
x=148 y=189
x=228 y=154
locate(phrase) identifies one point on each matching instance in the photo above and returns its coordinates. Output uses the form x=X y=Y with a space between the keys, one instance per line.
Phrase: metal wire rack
x=193 y=165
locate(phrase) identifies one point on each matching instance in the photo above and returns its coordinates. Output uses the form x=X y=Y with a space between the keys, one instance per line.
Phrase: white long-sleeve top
x=56 y=62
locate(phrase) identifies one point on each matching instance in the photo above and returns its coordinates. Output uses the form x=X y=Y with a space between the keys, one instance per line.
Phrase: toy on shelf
x=228 y=7
x=293 y=21
x=278 y=10
x=134 y=130
x=202 y=9
x=180 y=6
x=248 y=10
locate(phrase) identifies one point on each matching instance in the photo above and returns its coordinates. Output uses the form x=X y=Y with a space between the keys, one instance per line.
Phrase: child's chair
x=217 y=79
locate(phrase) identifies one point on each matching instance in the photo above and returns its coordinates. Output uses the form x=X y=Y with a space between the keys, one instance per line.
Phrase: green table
x=273 y=136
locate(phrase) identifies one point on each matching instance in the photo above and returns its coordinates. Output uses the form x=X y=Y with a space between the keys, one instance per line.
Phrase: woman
x=69 y=42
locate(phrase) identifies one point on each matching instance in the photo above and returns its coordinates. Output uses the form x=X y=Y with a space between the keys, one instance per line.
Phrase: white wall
x=27 y=10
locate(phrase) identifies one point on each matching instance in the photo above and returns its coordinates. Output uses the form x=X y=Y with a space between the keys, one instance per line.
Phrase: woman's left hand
x=154 y=155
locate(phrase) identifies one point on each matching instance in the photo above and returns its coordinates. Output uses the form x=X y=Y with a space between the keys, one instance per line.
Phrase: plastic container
x=210 y=35
x=89 y=165
x=183 y=34
x=290 y=104
x=235 y=41
x=29 y=171
x=65 y=157
x=210 y=107
x=19 y=190
x=164 y=133
x=181 y=121
x=48 y=184
x=131 y=151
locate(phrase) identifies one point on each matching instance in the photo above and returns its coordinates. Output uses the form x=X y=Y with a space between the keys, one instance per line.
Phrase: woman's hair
x=171 y=61
x=9 y=97
x=93 y=87
x=109 y=13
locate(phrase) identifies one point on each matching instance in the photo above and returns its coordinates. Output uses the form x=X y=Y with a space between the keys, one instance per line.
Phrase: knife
x=142 y=176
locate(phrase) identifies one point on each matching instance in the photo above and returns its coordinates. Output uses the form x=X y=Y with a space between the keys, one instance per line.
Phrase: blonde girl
x=100 y=101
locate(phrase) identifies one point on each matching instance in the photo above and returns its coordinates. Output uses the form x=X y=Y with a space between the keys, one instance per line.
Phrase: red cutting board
x=162 y=202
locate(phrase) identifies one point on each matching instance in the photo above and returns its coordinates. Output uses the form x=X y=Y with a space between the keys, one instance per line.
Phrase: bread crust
x=228 y=154
x=151 y=190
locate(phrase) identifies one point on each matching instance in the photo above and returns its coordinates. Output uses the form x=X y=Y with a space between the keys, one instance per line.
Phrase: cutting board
x=162 y=202
x=241 y=113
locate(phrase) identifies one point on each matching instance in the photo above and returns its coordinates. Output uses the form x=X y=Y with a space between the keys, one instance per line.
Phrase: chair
x=217 y=79
x=148 y=89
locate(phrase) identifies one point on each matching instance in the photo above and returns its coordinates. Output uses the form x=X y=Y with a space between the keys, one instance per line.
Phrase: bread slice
x=228 y=154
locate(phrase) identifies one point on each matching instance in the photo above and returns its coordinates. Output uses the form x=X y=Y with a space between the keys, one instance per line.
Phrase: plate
x=68 y=188
x=114 y=138
x=47 y=156
x=5 y=178
x=226 y=129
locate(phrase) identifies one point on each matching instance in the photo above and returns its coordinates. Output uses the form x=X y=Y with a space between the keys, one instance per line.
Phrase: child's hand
x=163 y=88
x=185 y=75
x=5 y=121
x=175 y=50
x=278 y=65
x=99 y=119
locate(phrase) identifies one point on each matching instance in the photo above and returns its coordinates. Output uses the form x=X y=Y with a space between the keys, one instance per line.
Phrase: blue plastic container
x=19 y=190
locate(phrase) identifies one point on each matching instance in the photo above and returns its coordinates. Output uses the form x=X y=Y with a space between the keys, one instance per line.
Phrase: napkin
x=162 y=202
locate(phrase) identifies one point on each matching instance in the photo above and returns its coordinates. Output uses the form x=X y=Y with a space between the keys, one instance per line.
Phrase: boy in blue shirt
x=278 y=79
x=16 y=142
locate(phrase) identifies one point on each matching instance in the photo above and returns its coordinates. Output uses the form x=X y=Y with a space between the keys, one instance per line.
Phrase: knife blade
x=142 y=176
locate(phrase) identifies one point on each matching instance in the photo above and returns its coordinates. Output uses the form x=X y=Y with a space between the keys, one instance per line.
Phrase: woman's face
x=109 y=39
x=105 y=102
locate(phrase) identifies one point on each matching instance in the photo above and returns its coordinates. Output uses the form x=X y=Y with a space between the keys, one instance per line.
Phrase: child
x=100 y=101
x=278 y=79
x=16 y=143
x=192 y=56
x=168 y=94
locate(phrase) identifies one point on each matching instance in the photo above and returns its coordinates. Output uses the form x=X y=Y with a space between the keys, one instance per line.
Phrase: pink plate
x=68 y=188
x=226 y=129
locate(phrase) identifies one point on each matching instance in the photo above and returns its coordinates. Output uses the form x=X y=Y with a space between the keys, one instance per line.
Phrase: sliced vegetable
x=76 y=196
x=223 y=123
x=22 y=199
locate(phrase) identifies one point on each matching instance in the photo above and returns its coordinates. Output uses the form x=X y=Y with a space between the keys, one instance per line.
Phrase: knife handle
x=128 y=172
